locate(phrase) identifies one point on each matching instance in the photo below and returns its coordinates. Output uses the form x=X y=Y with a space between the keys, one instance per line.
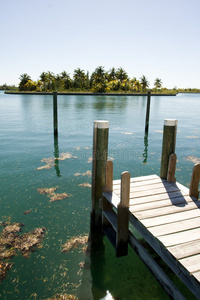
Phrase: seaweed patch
x=193 y=159
x=52 y=195
x=65 y=155
x=75 y=242
x=87 y=173
x=51 y=161
x=47 y=190
x=11 y=241
x=85 y=184
x=63 y=297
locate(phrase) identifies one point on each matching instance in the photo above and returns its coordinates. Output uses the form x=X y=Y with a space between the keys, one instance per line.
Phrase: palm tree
x=79 y=78
x=99 y=75
x=121 y=74
x=98 y=80
x=158 y=83
x=111 y=75
x=144 y=83
x=24 y=78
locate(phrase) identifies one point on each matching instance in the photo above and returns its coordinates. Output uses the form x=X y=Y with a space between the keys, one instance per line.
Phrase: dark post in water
x=147 y=113
x=168 y=146
x=100 y=153
x=55 y=114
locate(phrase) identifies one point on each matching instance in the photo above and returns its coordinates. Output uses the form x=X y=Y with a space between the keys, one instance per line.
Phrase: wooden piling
x=123 y=216
x=168 y=146
x=147 y=113
x=100 y=153
x=108 y=188
x=172 y=168
x=194 y=184
x=55 y=114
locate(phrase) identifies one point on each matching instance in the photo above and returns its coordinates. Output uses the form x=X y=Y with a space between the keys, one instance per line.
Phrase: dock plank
x=166 y=210
x=180 y=237
x=138 y=179
x=175 y=227
x=153 y=186
x=158 y=197
x=177 y=201
x=164 y=219
x=192 y=263
x=186 y=249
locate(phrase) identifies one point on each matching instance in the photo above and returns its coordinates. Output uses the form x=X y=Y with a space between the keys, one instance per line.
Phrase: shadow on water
x=56 y=155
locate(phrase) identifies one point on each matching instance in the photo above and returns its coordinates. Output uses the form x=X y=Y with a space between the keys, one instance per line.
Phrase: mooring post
x=100 y=153
x=168 y=145
x=147 y=112
x=172 y=168
x=194 y=183
x=106 y=205
x=55 y=114
x=123 y=216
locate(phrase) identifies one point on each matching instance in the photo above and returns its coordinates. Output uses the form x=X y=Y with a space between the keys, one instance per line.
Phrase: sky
x=158 y=39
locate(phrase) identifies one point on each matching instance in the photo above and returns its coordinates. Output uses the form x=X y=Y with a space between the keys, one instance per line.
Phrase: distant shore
x=90 y=94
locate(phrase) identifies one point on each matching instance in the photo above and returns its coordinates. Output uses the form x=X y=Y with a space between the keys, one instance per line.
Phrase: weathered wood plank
x=158 y=197
x=152 y=192
x=190 y=214
x=180 y=237
x=175 y=227
x=196 y=275
x=141 y=183
x=147 y=192
x=137 y=179
x=166 y=210
x=158 y=204
x=186 y=249
x=147 y=187
x=182 y=187
x=192 y=263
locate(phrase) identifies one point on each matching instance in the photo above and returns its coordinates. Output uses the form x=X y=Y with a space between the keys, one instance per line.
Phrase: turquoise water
x=26 y=137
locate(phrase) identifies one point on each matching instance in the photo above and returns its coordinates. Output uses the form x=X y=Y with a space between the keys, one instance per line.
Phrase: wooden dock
x=167 y=218
x=163 y=211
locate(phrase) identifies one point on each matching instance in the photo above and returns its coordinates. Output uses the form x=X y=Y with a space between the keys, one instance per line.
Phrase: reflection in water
x=109 y=102
x=145 y=153
x=56 y=155
x=97 y=260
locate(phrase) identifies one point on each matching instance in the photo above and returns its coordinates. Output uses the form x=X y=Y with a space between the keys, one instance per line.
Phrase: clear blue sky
x=155 y=38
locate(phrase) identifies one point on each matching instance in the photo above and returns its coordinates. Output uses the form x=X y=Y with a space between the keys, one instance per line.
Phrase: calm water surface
x=26 y=138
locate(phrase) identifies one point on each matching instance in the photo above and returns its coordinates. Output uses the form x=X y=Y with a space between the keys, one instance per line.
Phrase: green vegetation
x=100 y=81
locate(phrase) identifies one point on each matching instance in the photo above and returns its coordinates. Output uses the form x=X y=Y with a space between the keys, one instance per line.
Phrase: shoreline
x=90 y=94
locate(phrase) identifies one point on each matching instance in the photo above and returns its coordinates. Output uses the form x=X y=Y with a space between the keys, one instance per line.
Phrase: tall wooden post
x=123 y=216
x=147 y=112
x=194 y=183
x=100 y=153
x=55 y=114
x=168 y=146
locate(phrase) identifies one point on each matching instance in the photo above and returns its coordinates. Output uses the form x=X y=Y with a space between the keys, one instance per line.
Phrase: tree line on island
x=100 y=81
